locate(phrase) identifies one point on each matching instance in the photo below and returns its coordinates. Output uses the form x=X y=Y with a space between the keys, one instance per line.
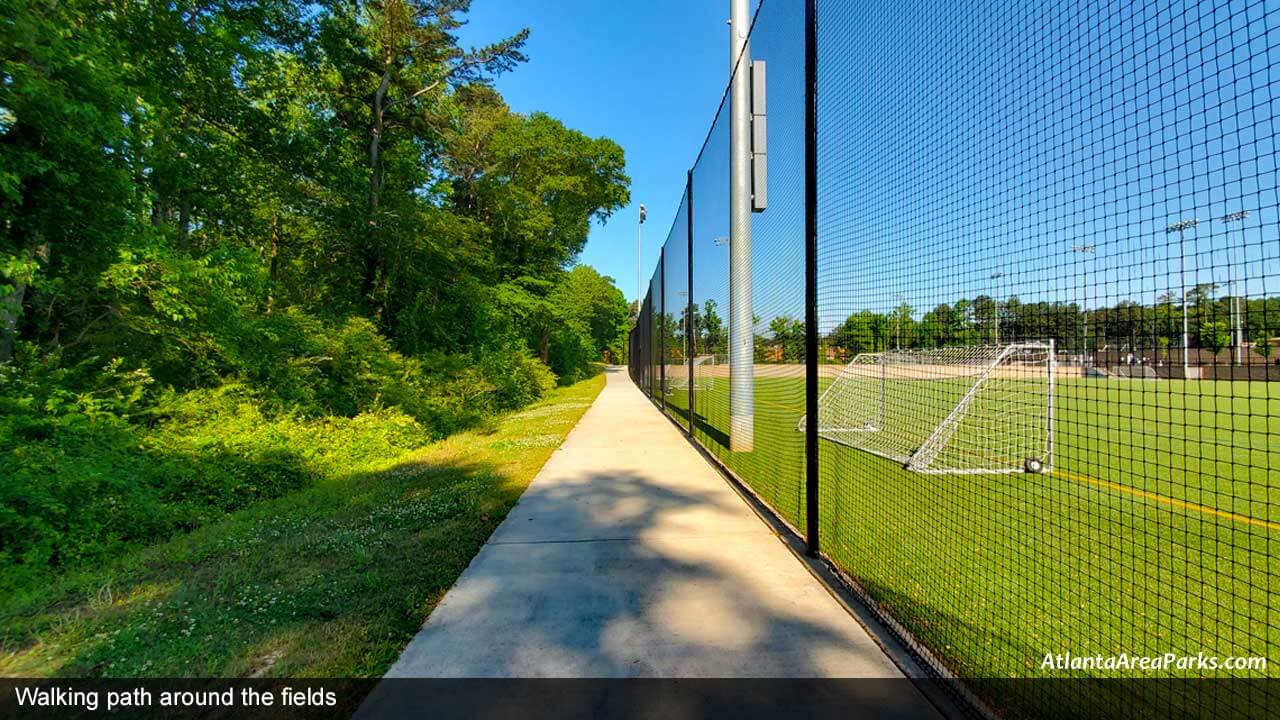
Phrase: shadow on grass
x=710 y=432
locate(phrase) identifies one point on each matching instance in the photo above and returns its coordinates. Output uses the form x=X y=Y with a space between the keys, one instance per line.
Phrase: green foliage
x=358 y=559
x=1215 y=335
x=788 y=338
x=1150 y=328
x=1262 y=344
x=516 y=378
x=214 y=289
x=83 y=479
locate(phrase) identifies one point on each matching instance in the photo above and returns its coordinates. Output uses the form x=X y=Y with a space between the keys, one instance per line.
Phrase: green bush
x=89 y=472
x=95 y=456
x=516 y=378
x=571 y=352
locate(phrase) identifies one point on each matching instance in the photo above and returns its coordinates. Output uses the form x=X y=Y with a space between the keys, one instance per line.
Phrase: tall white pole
x=741 y=320
x=639 y=235
x=1084 y=251
x=995 y=291
x=1181 y=227
x=1186 y=334
x=1237 y=331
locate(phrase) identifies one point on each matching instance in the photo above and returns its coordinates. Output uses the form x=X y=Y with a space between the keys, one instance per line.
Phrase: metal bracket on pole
x=759 y=139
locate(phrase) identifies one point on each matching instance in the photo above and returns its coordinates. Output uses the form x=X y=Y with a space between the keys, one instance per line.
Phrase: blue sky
x=989 y=140
x=647 y=75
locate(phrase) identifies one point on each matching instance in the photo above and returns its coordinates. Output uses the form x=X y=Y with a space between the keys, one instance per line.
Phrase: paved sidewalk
x=630 y=556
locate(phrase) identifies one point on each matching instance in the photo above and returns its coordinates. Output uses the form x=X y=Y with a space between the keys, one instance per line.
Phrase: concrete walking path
x=630 y=556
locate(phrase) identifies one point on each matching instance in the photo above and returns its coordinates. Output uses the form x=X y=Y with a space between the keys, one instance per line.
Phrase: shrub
x=571 y=352
x=88 y=472
x=516 y=377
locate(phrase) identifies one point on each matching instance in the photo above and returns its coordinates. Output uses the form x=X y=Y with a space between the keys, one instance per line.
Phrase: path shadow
x=623 y=575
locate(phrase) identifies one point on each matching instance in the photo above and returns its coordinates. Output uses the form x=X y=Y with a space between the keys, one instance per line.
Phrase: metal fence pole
x=811 y=273
x=741 y=319
x=691 y=326
x=662 y=331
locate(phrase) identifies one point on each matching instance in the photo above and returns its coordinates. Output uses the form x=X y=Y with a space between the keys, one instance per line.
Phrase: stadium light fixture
x=1237 y=320
x=1181 y=227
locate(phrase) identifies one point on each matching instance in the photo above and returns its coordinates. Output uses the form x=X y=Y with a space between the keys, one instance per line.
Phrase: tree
x=714 y=340
x=1262 y=344
x=1214 y=336
x=397 y=59
x=585 y=295
x=65 y=192
x=534 y=184
x=903 y=325
x=1201 y=294
x=788 y=336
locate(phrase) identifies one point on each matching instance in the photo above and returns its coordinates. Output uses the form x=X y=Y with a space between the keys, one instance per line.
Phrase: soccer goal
x=1134 y=372
x=679 y=375
x=980 y=409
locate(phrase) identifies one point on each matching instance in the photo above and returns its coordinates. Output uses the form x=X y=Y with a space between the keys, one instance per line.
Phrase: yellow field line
x=1168 y=500
x=780 y=406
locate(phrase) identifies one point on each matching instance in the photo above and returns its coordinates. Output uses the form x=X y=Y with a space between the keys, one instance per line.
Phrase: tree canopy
x=234 y=230
x=166 y=164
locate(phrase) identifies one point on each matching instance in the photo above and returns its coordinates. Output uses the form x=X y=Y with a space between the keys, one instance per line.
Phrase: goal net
x=1139 y=372
x=678 y=375
x=980 y=409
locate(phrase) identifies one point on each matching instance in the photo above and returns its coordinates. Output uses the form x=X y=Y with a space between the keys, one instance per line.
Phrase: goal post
x=974 y=409
x=1133 y=372
x=682 y=379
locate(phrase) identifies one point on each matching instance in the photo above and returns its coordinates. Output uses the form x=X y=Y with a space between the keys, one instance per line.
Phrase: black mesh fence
x=675 y=287
x=1048 y=383
x=657 y=349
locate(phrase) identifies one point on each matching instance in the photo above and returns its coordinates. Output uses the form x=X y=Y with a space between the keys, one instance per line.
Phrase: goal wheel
x=1033 y=465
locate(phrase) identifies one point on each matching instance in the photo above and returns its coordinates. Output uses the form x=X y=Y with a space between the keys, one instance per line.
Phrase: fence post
x=662 y=329
x=811 y=274
x=692 y=326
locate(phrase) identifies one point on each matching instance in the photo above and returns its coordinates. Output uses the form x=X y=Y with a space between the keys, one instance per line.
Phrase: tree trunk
x=371 y=263
x=273 y=270
x=12 y=303
x=184 y=217
x=544 y=346
x=10 y=311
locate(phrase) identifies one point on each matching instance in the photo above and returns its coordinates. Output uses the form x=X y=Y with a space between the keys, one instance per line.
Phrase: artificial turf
x=1153 y=533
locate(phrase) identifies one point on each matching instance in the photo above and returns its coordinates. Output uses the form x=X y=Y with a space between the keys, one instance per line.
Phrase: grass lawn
x=1155 y=533
x=332 y=581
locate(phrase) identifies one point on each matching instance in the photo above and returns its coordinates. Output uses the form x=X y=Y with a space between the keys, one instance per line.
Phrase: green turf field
x=1153 y=534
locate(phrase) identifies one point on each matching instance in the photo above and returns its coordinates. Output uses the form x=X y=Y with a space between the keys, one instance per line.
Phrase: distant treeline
x=1149 y=331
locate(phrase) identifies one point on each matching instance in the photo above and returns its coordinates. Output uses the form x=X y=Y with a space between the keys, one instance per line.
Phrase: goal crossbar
x=686 y=376
x=959 y=410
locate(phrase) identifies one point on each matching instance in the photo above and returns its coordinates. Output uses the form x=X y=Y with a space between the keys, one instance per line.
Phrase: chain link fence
x=1015 y=354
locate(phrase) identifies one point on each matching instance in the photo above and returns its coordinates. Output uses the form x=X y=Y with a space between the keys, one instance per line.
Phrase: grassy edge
x=331 y=581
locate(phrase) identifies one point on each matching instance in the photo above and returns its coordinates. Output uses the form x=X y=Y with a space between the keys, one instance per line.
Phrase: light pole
x=741 y=319
x=639 y=235
x=995 y=293
x=1237 y=332
x=1084 y=304
x=1181 y=227
x=897 y=321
